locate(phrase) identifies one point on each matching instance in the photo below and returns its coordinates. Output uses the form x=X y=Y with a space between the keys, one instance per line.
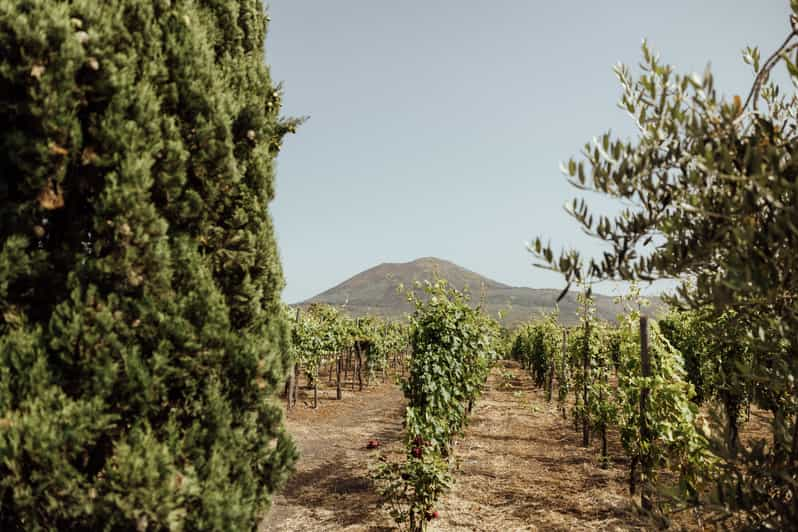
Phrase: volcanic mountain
x=375 y=291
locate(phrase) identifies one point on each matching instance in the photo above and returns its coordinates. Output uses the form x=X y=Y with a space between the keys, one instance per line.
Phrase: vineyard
x=641 y=403
x=153 y=378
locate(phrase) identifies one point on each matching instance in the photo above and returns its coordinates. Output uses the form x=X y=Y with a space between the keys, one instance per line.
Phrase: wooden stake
x=338 y=394
x=359 y=349
x=585 y=388
x=296 y=384
x=550 y=383
x=290 y=388
x=645 y=436
x=564 y=368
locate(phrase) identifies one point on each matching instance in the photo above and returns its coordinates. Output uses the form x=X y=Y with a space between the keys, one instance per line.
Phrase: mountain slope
x=374 y=291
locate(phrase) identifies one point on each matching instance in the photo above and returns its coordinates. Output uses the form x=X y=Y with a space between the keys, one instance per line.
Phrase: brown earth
x=331 y=489
x=520 y=466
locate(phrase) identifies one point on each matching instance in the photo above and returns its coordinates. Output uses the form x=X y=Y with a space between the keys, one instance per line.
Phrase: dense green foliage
x=673 y=440
x=709 y=188
x=536 y=345
x=719 y=354
x=582 y=356
x=140 y=329
x=687 y=332
x=382 y=339
x=322 y=334
x=454 y=346
x=600 y=377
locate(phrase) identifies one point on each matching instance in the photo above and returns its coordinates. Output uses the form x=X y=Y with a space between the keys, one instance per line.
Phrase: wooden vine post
x=339 y=363
x=586 y=387
x=353 y=365
x=315 y=378
x=295 y=385
x=645 y=436
x=604 y=457
x=359 y=348
x=564 y=367
x=550 y=383
x=346 y=362
x=315 y=375
x=316 y=387
x=290 y=387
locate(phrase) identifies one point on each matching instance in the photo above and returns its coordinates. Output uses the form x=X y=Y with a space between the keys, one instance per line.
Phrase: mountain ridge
x=375 y=291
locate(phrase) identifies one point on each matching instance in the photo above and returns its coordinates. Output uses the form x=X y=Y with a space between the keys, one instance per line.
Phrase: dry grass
x=521 y=466
x=331 y=489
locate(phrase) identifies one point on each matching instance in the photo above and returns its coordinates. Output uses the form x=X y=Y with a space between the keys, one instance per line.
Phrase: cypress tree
x=141 y=337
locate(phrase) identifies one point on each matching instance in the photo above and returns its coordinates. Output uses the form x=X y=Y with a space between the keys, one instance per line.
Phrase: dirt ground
x=331 y=489
x=520 y=466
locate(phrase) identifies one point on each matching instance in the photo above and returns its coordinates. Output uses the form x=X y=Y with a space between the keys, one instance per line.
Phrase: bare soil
x=331 y=489
x=521 y=466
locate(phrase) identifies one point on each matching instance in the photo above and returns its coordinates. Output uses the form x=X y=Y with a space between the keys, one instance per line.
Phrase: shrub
x=140 y=337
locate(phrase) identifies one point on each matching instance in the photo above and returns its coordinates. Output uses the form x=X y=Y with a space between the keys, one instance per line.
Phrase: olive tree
x=710 y=198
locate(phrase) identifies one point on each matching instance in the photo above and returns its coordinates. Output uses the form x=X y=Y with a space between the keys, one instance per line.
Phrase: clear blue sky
x=437 y=128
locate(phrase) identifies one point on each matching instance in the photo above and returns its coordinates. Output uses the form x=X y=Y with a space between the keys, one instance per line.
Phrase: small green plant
x=411 y=488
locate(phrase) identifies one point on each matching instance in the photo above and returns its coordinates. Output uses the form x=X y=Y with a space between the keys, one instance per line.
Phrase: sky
x=438 y=127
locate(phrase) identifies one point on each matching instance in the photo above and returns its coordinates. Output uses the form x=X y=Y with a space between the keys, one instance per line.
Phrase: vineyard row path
x=520 y=465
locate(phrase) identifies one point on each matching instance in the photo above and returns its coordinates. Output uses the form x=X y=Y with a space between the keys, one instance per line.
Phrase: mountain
x=374 y=291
